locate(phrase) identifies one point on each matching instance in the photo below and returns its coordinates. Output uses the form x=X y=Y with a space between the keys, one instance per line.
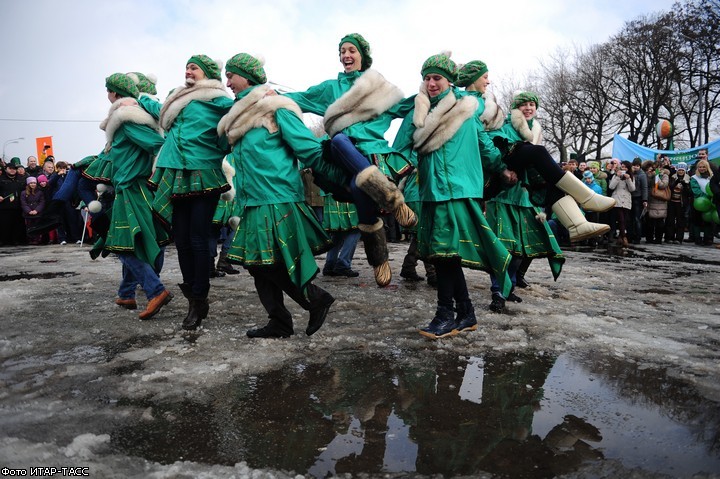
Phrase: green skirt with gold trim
x=133 y=227
x=171 y=183
x=523 y=235
x=286 y=233
x=458 y=228
x=223 y=212
x=99 y=169
x=393 y=165
x=339 y=216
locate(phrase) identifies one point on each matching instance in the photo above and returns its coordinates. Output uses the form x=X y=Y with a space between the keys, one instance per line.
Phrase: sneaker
x=443 y=325
x=329 y=272
x=63 y=243
x=498 y=303
x=78 y=242
x=466 y=320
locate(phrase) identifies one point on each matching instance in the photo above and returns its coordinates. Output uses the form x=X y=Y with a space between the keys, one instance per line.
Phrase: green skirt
x=223 y=212
x=393 y=165
x=339 y=216
x=286 y=233
x=133 y=227
x=170 y=184
x=458 y=228
x=523 y=235
x=99 y=169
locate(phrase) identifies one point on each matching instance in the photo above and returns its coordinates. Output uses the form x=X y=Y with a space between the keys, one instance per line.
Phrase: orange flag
x=44 y=148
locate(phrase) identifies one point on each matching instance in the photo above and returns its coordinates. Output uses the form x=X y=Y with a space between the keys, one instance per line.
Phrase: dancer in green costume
x=278 y=233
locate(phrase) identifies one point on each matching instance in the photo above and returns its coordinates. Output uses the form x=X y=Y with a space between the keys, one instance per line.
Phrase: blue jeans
x=341 y=255
x=347 y=156
x=137 y=271
x=128 y=283
x=515 y=262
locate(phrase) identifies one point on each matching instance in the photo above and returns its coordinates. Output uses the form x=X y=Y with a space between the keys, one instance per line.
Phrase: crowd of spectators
x=25 y=192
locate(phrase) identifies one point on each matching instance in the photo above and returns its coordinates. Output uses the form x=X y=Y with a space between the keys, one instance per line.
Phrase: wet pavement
x=610 y=372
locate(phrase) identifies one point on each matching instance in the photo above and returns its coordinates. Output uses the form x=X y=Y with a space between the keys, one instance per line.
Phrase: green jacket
x=370 y=134
x=455 y=170
x=267 y=168
x=192 y=143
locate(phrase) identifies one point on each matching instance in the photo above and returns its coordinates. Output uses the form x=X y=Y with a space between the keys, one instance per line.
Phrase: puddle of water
x=25 y=275
x=437 y=414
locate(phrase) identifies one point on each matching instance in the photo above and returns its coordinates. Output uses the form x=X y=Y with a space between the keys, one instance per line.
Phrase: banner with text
x=625 y=149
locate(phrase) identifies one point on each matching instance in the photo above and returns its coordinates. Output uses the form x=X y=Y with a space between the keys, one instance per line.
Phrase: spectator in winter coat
x=32 y=201
x=639 y=201
x=679 y=199
x=12 y=226
x=658 y=180
x=623 y=184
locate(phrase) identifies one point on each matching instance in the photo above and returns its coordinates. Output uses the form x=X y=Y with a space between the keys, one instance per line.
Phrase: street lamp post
x=14 y=140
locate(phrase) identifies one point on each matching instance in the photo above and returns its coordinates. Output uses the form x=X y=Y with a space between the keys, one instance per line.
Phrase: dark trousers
x=12 y=226
x=525 y=156
x=675 y=222
x=411 y=259
x=192 y=229
x=635 y=229
x=271 y=282
x=451 y=282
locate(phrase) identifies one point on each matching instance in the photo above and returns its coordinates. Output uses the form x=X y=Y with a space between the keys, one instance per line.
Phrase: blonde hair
x=706 y=164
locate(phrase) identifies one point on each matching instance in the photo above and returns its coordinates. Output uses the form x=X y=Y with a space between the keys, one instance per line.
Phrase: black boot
x=224 y=265
x=198 y=308
x=498 y=303
x=214 y=272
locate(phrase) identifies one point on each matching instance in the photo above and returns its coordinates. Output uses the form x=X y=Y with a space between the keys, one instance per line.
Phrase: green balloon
x=715 y=217
x=707 y=216
x=708 y=190
x=702 y=204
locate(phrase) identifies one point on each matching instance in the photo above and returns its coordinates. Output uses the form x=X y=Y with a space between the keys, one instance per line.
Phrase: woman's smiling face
x=350 y=57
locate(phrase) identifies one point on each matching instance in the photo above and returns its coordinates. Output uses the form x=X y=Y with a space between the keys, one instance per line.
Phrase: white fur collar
x=122 y=113
x=518 y=121
x=254 y=110
x=370 y=96
x=435 y=127
x=493 y=116
x=203 y=90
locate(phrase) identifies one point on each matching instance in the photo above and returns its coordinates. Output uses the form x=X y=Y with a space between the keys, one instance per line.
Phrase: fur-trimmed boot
x=569 y=214
x=198 y=308
x=386 y=194
x=373 y=237
x=588 y=199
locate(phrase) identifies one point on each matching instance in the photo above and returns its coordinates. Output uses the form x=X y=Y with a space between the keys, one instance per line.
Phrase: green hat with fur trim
x=211 y=68
x=145 y=83
x=442 y=65
x=247 y=66
x=470 y=72
x=524 y=97
x=122 y=84
x=363 y=47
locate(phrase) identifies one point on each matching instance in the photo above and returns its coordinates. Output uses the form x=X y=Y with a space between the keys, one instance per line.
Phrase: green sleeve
x=151 y=106
x=306 y=147
x=144 y=137
x=315 y=99
x=403 y=142
x=402 y=108
x=489 y=154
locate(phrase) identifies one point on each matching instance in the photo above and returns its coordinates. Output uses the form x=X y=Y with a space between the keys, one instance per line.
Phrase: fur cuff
x=492 y=117
x=518 y=121
x=378 y=187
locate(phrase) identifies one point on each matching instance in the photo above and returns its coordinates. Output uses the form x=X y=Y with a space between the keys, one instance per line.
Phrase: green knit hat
x=122 y=84
x=442 y=65
x=470 y=72
x=145 y=83
x=208 y=65
x=363 y=47
x=524 y=97
x=247 y=66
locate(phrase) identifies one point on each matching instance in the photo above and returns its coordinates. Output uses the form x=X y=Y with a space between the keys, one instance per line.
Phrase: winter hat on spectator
x=248 y=66
x=681 y=166
x=588 y=174
x=14 y=162
x=212 y=68
x=594 y=164
x=42 y=178
x=31 y=179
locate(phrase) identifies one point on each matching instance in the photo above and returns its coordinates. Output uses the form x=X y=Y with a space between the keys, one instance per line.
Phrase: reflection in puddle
x=516 y=415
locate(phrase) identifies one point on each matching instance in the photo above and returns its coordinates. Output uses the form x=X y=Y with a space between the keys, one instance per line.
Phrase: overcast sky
x=58 y=53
